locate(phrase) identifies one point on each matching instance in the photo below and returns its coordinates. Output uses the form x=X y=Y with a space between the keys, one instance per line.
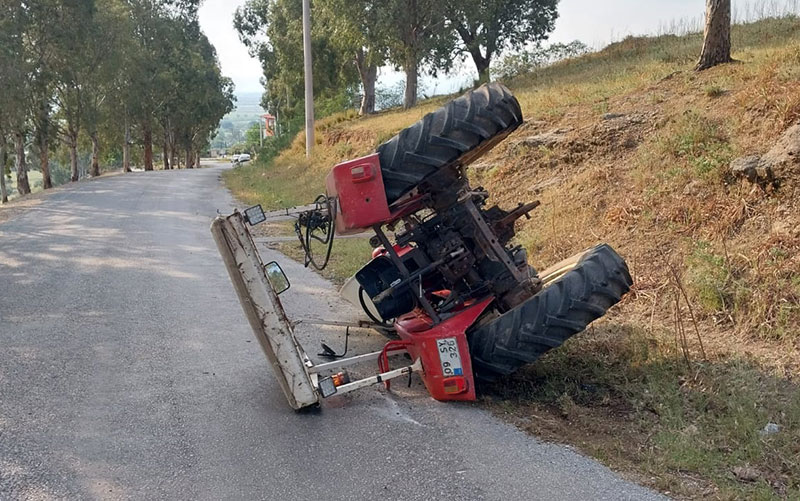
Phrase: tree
x=487 y=27
x=717 y=35
x=418 y=35
x=103 y=50
x=3 y=167
x=272 y=31
x=14 y=18
x=355 y=26
x=72 y=69
x=39 y=48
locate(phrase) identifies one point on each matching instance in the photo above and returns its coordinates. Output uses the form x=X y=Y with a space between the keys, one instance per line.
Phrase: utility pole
x=308 y=76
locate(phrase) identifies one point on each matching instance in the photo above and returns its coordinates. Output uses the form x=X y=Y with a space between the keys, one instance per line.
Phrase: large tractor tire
x=458 y=132
x=562 y=309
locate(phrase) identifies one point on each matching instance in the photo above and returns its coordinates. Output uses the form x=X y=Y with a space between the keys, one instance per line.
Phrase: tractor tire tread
x=445 y=136
x=546 y=320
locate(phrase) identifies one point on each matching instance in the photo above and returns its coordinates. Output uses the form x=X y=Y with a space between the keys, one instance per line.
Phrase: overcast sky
x=595 y=22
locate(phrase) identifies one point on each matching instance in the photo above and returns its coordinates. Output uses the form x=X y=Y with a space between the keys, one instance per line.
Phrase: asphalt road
x=128 y=371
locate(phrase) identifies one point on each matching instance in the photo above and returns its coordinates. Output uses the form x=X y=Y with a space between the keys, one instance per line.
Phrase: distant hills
x=232 y=127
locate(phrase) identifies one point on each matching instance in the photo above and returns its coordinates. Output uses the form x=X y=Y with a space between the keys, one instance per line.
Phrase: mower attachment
x=302 y=382
x=264 y=310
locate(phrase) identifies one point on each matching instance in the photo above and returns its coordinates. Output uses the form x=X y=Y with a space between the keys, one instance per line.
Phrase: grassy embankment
x=714 y=259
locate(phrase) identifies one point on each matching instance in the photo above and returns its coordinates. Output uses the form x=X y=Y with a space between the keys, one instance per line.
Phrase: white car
x=244 y=157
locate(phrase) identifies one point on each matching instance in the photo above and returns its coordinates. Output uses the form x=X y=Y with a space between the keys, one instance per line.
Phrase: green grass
x=348 y=256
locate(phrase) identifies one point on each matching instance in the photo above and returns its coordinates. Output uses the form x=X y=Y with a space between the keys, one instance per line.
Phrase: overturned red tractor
x=450 y=281
x=452 y=268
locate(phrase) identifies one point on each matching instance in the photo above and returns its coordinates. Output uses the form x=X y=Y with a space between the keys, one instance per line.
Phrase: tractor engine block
x=454 y=249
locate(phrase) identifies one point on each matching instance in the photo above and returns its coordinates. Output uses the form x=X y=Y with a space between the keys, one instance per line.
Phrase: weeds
x=713 y=91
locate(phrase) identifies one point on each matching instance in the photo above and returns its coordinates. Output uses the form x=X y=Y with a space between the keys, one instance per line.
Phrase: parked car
x=240 y=159
x=234 y=158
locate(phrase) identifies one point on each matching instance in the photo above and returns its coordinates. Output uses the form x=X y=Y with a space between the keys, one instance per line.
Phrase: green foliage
x=272 y=30
x=709 y=279
x=85 y=68
x=703 y=143
x=486 y=28
x=527 y=61
x=715 y=91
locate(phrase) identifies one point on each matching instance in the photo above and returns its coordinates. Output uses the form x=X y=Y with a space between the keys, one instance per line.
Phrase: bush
x=525 y=62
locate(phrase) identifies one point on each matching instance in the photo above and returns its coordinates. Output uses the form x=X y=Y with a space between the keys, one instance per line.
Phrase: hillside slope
x=630 y=146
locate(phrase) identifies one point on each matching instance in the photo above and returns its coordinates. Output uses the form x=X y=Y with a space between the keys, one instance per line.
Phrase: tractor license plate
x=449 y=356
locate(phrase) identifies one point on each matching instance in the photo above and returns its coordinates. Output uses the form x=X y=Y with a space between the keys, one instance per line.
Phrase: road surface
x=128 y=371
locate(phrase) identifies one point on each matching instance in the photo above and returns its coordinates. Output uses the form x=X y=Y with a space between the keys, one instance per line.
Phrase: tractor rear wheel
x=565 y=307
x=458 y=132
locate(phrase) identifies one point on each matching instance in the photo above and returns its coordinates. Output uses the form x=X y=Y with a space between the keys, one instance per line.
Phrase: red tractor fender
x=443 y=349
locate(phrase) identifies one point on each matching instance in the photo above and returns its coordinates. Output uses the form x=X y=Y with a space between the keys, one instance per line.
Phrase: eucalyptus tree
x=40 y=49
x=206 y=96
x=355 y=27
x=272 y=31
x=9 y=75
x=3 y=167
x=418 y=36
x=488 y=27
x=73 y=70
x=716 y=35
x=107 y=34
x=14 y=18
x=147 y=78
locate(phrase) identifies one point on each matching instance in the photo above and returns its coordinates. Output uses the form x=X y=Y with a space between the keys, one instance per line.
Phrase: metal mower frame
x=301 y=380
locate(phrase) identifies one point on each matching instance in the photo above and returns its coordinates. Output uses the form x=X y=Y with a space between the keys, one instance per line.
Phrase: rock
x=546 y=139
x=784 y=158
x=746 y=167
x=770 y=429
x=536 y=124
x=612 y=116
x=746 y=473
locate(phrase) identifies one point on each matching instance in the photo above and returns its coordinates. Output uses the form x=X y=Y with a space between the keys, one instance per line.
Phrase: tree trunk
x=189 y=159
x=482 y=65
x=147 y=134
x=197 y=159
x=95 y=169
x=44 y=161
x=410 y=96
x=126 y=148
x=42 y=129
x=73 y=156
x=481 y=62
x=23 y=186
x=165 y=152
x=369 y=74
x=717 y=35
x=3 y=161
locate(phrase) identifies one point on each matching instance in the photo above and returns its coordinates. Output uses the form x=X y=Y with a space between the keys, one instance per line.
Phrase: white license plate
x=449 y=356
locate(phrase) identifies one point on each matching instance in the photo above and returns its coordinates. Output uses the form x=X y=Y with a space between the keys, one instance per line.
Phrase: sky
x=594 y=22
